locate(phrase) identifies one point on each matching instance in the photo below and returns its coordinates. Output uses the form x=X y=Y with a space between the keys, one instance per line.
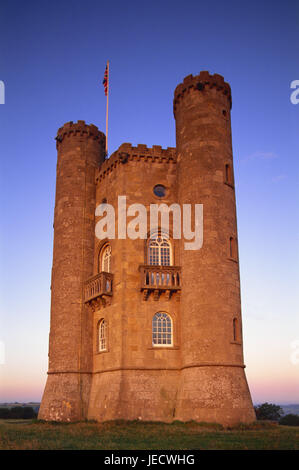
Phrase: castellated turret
x=212 y=383
x=141 y=327
x=81 y=150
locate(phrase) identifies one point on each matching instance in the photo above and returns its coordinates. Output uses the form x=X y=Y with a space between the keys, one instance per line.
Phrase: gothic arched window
x=102 y=336
x=105 y=259
x=162 y=330
x=159 y=250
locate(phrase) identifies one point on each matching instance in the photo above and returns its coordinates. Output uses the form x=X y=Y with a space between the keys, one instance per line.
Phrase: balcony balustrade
x=97 y=287
x=160 y=279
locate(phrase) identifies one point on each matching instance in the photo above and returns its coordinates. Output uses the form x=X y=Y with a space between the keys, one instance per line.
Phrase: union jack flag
x=105 y=81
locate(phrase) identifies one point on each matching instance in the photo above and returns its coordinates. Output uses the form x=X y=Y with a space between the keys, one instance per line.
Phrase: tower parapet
x=202 y=82
x=127 y=152
x=80 y=129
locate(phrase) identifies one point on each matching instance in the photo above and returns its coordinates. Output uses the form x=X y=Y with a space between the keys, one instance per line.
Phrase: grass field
x=27 y=434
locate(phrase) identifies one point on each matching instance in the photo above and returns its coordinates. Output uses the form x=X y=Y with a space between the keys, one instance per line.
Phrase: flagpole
x=107 y=108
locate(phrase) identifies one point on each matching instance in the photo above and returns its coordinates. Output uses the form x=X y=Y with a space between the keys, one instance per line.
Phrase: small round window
x=159 y=190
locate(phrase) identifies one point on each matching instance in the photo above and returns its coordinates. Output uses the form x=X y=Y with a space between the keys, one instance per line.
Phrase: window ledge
x=232 y=259
x=236 y=342
x=163 y=347
x=102 y=352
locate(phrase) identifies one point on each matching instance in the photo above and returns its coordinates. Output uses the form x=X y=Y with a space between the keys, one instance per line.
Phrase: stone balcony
x=160 y=280
x=98 y=290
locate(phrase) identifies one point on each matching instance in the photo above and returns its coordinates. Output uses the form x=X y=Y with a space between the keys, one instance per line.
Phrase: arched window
x=159 y=250
x=105 y=259
x=162 y=330
x=102 y=336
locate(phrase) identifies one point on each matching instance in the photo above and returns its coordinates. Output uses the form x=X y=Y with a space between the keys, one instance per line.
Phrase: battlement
x=127 y=152
x=79 y=128
x=153 y=152
x=202 y=82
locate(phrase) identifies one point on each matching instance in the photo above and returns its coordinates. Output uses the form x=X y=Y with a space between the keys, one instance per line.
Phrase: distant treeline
x=272 y=412
x=18 y=412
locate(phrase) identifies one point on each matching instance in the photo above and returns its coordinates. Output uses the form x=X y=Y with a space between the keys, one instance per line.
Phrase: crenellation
x=141 y=153
x=125 y=146
x=199 y=82
x=188 y=80
x=80 y=128
x=142 y=148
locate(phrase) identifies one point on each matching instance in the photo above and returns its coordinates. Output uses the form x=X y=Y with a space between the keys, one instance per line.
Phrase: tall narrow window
x=162 y=330
x=159 y=251
x=235 y=329
x=105 y=259
x=102 y=338
x=228 y=174
x=233 y=248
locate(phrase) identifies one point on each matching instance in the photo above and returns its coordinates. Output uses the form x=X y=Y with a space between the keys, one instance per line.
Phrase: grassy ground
x=27 y=434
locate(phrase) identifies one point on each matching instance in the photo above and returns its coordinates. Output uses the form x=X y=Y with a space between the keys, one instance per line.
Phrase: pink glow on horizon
x=272 y=391
x=263 y=389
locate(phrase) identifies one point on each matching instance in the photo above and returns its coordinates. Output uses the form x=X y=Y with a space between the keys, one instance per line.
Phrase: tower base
x=217 y=394
x=65 y=397
x=134 y=394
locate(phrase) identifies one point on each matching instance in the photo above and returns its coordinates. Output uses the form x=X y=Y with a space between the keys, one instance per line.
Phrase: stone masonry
x=200 y=375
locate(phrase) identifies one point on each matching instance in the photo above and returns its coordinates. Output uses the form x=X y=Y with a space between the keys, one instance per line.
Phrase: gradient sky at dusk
x=52 y=61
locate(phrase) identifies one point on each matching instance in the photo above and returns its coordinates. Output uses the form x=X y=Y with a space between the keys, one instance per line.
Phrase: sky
x=52 y=61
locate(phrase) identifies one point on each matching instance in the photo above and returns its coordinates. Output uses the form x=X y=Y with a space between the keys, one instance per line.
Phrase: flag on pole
x=106 y=88
x=105 y=81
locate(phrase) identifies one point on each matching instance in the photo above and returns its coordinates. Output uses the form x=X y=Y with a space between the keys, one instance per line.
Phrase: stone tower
x=142 y=328
x=213 y=384
x=80 y=151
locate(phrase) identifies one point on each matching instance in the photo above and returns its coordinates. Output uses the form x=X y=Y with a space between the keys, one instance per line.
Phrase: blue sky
x=52 y=61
